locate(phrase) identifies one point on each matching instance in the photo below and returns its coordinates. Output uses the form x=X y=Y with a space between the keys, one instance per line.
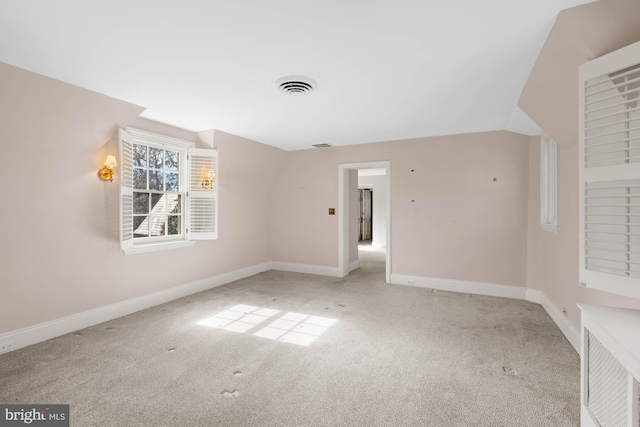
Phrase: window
x=157 y=199
x=548 y=184
x=609 y=166
x=168 y=192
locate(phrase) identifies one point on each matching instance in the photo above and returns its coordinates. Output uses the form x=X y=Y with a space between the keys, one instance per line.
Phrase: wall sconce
x=106 y=173
x=208 y=182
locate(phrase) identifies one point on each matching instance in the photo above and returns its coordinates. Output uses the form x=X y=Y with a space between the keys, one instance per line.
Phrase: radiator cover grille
x=607 y=387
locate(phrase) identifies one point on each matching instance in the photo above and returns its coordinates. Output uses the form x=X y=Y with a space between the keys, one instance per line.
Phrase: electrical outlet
x=411 y=282
x=5 y=347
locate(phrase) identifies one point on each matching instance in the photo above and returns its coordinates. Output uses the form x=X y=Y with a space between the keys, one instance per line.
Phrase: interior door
x=365 y=214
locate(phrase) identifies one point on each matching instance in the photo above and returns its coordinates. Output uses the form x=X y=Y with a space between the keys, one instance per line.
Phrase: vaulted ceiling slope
x=42 y=112
x=385 y=70
x=550 y=96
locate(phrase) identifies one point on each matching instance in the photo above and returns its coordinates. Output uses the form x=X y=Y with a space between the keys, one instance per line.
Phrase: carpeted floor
x=286 y=349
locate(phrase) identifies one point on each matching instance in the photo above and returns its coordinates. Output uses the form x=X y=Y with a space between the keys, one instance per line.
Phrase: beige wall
x=550 y=98
x=450 y=219
x=552 y=264
x=60 y=253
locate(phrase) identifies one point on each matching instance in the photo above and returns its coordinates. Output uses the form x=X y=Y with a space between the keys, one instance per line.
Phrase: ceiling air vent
x=321 y=145
x=296 y=85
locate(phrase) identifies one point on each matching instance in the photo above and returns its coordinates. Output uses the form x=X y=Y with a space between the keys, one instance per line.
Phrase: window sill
x=153 y=247
x=552 y=228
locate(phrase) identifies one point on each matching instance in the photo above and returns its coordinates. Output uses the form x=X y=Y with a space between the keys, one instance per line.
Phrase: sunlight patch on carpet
x=294 y=328
x=240 y=318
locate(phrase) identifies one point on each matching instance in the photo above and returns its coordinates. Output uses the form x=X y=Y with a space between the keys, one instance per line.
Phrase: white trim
x=343 y=235
x=319 y=270
x=157 y=246
x=504 y=291
x=131 y=245
x=197 y=194
x=490 y=289
x=533 y=295
x=157 y=139
x=548 y=184
x=623 y=172
x=622 y=58
x=343 y=219
x=571 y=334
x=616 y=330
x=603 y=66
x=45 y=331
x=586 y=419
x=550 y=227
x=354 y=265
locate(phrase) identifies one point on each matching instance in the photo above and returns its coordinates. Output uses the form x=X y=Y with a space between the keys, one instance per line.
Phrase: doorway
x=365 y=196
x=348 y=213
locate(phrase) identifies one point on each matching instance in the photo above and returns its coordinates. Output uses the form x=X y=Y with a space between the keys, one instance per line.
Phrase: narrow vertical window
x=548 y=184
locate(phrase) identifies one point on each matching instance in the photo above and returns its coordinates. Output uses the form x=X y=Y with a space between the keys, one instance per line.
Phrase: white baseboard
x=534 y=295
x=571 y=333
x=34 y=334
x=355 y=264
x=319 y=270
x=44 y=331
x=516 y=292
x=478 y=288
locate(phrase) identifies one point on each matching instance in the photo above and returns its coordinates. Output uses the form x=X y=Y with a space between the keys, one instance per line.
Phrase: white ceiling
x=385 y=69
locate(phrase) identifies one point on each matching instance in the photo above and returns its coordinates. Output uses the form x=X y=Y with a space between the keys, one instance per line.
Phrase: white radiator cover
x=607 y=385
x=610 y=367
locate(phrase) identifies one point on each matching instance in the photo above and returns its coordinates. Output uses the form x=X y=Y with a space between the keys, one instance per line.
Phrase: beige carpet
x=286 y=349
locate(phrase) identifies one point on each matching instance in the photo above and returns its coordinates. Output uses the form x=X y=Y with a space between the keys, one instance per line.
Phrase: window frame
x=182 y=191
x=548 y=184
x=190 y=196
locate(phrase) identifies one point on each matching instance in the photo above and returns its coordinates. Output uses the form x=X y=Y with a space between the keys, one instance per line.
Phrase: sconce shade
x=111 y=162
x=106 y=172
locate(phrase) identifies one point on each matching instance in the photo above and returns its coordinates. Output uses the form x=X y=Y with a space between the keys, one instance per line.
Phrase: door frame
x=343 y=213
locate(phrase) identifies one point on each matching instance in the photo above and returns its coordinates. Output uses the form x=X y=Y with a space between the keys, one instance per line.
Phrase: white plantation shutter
x=183 y=199
x=202 y=195
x=610 y=172
x=126 y=189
